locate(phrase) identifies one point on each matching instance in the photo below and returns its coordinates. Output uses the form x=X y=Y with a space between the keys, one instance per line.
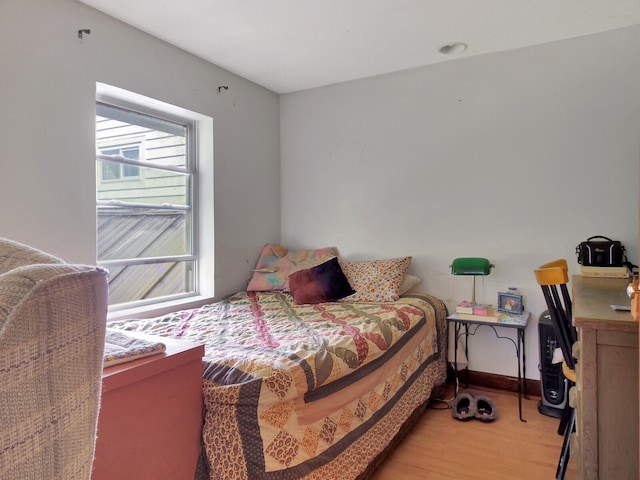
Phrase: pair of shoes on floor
x=466 y=406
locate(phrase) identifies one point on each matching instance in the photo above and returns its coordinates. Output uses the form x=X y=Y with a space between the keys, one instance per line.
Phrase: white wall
x=516 y=156
x=47 y=159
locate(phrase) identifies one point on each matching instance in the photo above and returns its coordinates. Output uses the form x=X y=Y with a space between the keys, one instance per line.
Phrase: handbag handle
x=599 y=236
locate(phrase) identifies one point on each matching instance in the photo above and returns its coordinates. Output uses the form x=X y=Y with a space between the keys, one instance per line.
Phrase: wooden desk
x=150 y=420
x=607 y=380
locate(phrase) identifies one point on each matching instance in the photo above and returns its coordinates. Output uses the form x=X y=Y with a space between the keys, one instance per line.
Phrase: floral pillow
x=276 y=263
x=376 y=280
x=323 y=283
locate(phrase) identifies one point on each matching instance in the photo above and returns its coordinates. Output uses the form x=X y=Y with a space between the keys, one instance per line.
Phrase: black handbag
x=599 y=251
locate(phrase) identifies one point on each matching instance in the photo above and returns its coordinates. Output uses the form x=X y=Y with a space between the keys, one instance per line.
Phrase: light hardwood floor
x=440 y=447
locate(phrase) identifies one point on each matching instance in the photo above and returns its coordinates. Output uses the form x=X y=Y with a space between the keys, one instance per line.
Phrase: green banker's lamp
x=471 y=266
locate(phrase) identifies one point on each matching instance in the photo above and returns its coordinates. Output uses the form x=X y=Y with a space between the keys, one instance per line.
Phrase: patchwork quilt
x=288 y=388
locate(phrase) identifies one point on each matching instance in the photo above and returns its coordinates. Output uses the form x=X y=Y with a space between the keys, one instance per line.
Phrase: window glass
x=117 y=170
x=144 y=204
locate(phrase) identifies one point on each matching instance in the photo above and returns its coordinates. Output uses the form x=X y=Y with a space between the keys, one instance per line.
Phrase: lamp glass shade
x=471 y=266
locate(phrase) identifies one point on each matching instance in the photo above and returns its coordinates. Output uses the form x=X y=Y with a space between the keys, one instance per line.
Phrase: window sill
x=159 y=309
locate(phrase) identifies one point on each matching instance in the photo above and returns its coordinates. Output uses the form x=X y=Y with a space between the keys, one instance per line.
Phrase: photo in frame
x=510 y=303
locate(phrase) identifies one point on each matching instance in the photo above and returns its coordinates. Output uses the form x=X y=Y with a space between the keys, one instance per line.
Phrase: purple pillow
x=323 y=283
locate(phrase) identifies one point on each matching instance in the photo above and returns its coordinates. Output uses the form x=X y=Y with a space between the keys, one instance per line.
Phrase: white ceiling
x=290 y=45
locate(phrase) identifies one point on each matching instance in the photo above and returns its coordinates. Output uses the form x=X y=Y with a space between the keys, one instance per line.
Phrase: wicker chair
x=52 y=328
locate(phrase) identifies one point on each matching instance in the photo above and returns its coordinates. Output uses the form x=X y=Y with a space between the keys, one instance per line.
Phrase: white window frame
x=202 y=200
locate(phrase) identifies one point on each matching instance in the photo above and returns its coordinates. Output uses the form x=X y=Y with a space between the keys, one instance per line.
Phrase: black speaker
x=553 y=383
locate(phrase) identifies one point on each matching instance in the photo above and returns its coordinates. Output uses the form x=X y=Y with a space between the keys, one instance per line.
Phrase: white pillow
x=408 y=283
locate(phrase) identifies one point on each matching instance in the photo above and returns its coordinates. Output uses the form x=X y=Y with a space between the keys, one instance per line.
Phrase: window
x=119 y=171
x=146 y=199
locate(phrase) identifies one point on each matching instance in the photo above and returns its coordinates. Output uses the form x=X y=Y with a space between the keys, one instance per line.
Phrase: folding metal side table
x=466 y=327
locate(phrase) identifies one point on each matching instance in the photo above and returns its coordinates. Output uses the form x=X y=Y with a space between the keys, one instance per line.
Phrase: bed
x=308 y=390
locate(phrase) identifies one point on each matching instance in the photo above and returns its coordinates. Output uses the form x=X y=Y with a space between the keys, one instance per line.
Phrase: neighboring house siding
x=157 y=147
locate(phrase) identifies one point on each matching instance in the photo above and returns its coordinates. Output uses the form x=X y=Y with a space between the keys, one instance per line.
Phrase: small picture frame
x=510 y=303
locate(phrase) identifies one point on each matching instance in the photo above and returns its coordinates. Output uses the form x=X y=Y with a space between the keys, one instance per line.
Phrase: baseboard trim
x=495 y=381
